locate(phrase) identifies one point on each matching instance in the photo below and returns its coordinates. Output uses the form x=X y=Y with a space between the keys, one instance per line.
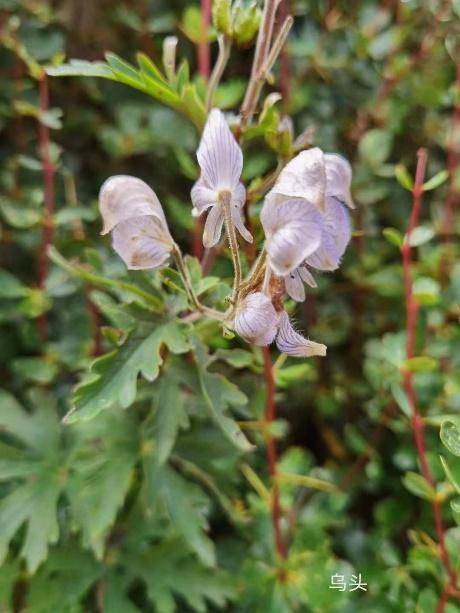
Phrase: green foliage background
x=149 y=497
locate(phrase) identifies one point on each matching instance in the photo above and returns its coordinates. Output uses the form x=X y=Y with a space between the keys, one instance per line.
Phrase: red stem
x=48 y=172
x=411 y=323
x=270 y=416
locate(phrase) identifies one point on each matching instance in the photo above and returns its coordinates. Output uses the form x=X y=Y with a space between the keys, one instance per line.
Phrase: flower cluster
x=304 y=218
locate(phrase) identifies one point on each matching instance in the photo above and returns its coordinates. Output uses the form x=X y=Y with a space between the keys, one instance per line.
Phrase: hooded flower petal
x=338 y=178
x=256 y=319
x=122 y=197
x=336 y=234
x=213 y=227
x=303 y=177
x=294 y=286
x=142 y=242
x=294 y=344
x=219 y=155
x=202 y=197
x=293 y=231
x=293 y=283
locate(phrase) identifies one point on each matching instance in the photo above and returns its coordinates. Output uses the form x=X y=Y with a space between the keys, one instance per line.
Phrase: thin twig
x=411 y=323
x=225 y=45
x=257 y=77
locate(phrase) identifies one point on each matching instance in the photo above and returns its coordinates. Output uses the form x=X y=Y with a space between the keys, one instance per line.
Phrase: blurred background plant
x=152 y=507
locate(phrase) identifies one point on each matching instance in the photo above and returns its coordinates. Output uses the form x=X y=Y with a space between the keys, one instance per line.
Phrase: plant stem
x=411 y=323
x=233 y=244
x=225 y=46
x=191 y=294
x=48 y=171
x=260 y=56
x=270 y=416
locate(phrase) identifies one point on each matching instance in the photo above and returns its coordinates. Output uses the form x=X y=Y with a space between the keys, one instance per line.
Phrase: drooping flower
x=293 y=232
x=221 y=162
x=258 y=322
x=131 y=210
x=256 y=319
x=323 y=181
x=294 y=344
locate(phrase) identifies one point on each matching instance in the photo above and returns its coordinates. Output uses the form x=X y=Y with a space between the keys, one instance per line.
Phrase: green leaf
x=238 y=358
x=149 y=68
x=185 y=502
x=246 y=22
x=81 y=68
x=170 y=414
x=219 y=394
x=124 y=71
x=38 y=370
x=76 y=270
x=438 y=179
x=450 y=435
x=426 y=291
x=393 y=236
x=101 y=474
x=375 y=146
x=10 y=286
x=221 y=16
x=113 y=378
x=422 y=363
x=419 y=486
x=19 y=216
x=193 y=105
x=452 y=472
x=39 y=467
x=421 y=235
x=403 y=177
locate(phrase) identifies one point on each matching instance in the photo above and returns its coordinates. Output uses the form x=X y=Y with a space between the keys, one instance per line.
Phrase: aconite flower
x=256 y=319
x=293 y=232
x=219 y=186
x=258 y=322
x=322 y=182
x=131 y=210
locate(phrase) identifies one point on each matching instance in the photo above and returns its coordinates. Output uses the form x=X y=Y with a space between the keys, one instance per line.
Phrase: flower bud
x=257 y=320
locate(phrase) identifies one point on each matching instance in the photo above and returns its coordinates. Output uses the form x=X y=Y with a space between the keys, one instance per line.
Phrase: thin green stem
x=191 y=294
x=225 y=45
x=233 y=244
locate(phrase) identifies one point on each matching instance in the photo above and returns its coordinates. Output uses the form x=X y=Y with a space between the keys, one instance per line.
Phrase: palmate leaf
x=37 y=461
x=219 y=394
x=169 y=572
x=61 y=583
x=113 y=378
x=107 y=449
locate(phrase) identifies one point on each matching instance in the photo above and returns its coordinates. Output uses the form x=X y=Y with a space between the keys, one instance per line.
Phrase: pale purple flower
x=293 y=232
x=256 y=319
x=258 y=322
x=221 y=162
x=294 y=344
x=323 y=182
x=131 y=210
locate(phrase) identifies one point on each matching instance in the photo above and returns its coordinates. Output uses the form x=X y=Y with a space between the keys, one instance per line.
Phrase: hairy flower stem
x=270 y=416
x=411 y=323
x=232 y=243
x=191 y=295
x=256 y=274
x=225 y=45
